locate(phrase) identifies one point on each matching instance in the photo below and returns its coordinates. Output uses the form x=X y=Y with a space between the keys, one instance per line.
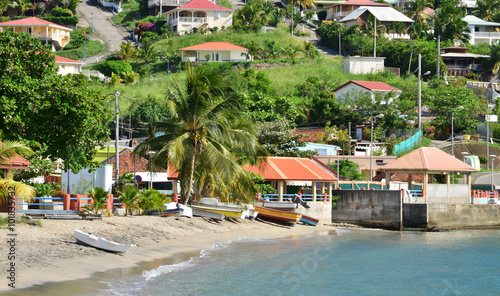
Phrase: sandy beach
x=50 y=253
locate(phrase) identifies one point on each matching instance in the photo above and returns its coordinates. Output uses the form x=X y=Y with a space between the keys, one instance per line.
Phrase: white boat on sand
x=100 y=242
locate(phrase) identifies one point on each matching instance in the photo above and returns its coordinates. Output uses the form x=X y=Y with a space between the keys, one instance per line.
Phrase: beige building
x=49 y=33
x=215 y=52
x=199 y=14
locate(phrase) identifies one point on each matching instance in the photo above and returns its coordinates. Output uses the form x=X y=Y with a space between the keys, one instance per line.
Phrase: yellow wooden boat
x=224 y=210
x=288 y=218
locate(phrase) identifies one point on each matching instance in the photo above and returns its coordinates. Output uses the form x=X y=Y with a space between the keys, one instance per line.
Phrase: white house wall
x=64 y=69
x=363 y=65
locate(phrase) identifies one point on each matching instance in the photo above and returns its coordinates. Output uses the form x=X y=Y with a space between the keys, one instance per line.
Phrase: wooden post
x=314 y=190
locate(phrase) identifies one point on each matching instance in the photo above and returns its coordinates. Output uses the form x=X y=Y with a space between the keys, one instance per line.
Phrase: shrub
x=116 y=67
x=99 y=196
x=59 y=11
x=152 y=200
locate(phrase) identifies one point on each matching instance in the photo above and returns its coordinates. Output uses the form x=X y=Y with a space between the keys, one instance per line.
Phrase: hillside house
x=49 y=33
x=354 y=89
x=385 y=16
x=215 y=52
x=482 y=31
x=338 y=11
x=68 y=66
x=199 y=14
x=459 y=62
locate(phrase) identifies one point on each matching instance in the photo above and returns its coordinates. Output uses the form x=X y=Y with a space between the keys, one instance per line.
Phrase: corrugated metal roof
x=383 y=14
x=475 y=21
x=292 y=169
x=428 y=159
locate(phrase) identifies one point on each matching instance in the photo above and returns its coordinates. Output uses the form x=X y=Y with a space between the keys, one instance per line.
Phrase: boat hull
x=101 y=243
x=226 y=211
x=208 y=214
x=288 y=218
x=309 y=220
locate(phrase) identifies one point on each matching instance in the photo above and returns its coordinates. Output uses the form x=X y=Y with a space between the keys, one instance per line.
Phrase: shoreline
x=63 y=260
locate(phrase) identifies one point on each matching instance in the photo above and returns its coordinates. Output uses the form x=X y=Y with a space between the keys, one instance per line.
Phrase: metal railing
x=288 y=197
x=168 y=2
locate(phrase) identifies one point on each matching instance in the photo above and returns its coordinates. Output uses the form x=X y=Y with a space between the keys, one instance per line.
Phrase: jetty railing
x=289 y=197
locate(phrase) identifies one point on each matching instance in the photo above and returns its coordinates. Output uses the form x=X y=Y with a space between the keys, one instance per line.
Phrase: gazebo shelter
x=15 y=163
x=280 y=170
x=431 y=162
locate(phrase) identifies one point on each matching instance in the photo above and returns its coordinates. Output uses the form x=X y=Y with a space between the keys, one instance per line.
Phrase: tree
x=4 y=5
x=99 y=197
x=8 y=150
x=127 y=51
x=21 y=5
x=62 y=113
x=416 y=9
x=487 y=10
x=206 y=132
x=278 y=139
x=310 y=50
x=128 y=197
x=348 y=170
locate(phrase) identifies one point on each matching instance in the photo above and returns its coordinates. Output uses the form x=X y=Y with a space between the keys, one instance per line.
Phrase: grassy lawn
x=93 y=48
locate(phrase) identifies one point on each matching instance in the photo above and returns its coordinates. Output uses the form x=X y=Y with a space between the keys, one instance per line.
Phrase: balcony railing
x=188 y=20
x=167 y=2
x=487 y=35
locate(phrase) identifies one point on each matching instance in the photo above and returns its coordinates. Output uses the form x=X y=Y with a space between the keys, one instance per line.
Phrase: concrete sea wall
x=369 y=208
x=463 y=215
x=319 y=210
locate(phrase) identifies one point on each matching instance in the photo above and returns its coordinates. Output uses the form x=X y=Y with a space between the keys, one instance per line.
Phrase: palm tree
x=4 y=4
x=115 y=80
x=416 y=9
x=302 y=3
x=486 y=10
x=99 y=197
x=130 y=77
x=21 y=5
x=202 y=136
x=128 y=197
x=127 y=51
x=8 y=150
x=310 y=50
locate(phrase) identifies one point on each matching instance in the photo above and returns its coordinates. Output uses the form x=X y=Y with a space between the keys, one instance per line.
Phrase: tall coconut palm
x=21 y=5
x=416 y=9
x=8 y=150
x=487 y=10
x=204 y=135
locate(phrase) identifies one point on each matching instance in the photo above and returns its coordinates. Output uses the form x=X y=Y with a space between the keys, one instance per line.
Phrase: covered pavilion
x=431 y=162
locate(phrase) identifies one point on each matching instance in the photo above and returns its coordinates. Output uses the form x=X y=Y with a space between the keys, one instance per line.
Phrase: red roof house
x=56 y=35
x=199 y=14
x=354 y=88
x=339 y=10
x=214 y=52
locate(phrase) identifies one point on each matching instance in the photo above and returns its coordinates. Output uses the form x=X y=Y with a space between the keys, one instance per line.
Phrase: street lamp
x=420 y=90
x=492 y=166
x=92 y=22
x=486 y=118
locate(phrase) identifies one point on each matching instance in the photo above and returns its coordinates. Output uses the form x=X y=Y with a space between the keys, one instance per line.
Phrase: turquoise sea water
x=339 y=262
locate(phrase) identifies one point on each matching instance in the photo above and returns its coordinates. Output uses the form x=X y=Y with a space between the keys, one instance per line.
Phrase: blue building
x=322 y=149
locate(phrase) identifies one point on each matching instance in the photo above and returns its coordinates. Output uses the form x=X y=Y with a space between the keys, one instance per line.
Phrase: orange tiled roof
x=15 y=163
x=32 y=21
x=291 y=169
x=428 y=159
x=214 y=46
x=202 y=5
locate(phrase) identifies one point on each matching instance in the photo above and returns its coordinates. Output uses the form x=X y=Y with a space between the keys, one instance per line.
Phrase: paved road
x=104 y=29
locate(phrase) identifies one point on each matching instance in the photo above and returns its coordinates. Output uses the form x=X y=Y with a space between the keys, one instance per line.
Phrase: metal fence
x=409 y=143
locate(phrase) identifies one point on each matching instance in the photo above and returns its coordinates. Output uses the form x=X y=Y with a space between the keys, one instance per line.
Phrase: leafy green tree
x=252 y=14
x=152 y=200
x=65 y=114
x=4 y=5
x=129 y=196
x=348 y=170
x=116 y=67
x=278 y=139
x=149 y=112
x=147 y=50
x=206 y=128
x=21 y=5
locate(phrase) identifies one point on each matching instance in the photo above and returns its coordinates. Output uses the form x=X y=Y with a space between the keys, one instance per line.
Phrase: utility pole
x=291 y=18
x=374 y=37
x=130 y=126
x=117 y=136
x=349 y=138
x=438 y=66
x=419 y=91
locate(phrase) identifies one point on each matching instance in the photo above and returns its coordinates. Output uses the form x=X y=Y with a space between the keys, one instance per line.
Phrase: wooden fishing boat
x=288 y=218
x=224 y=210
x=176 y=209
x=309 y=220
x=283 y=206
x=100 y=243
x=208 y=214
x=214 y=202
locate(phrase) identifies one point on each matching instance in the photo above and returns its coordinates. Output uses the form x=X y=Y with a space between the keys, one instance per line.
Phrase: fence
x=408 y=143
x=288 y=197
x=66 y=203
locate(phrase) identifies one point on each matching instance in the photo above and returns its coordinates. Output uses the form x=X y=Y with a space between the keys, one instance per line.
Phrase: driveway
x=101 y=18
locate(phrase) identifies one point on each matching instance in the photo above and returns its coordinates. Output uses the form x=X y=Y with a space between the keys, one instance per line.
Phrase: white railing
x=192 y=19
x=168 y=2
x=487 y=34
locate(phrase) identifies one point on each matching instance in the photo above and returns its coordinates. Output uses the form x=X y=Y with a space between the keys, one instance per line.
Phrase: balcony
x=152 y=3
x=495 y=35
x=201 y=20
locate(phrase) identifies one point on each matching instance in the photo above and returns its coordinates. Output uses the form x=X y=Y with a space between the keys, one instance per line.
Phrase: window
x=62 y=67
x=321 y=151
x=77 y=69
x=217 y=14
